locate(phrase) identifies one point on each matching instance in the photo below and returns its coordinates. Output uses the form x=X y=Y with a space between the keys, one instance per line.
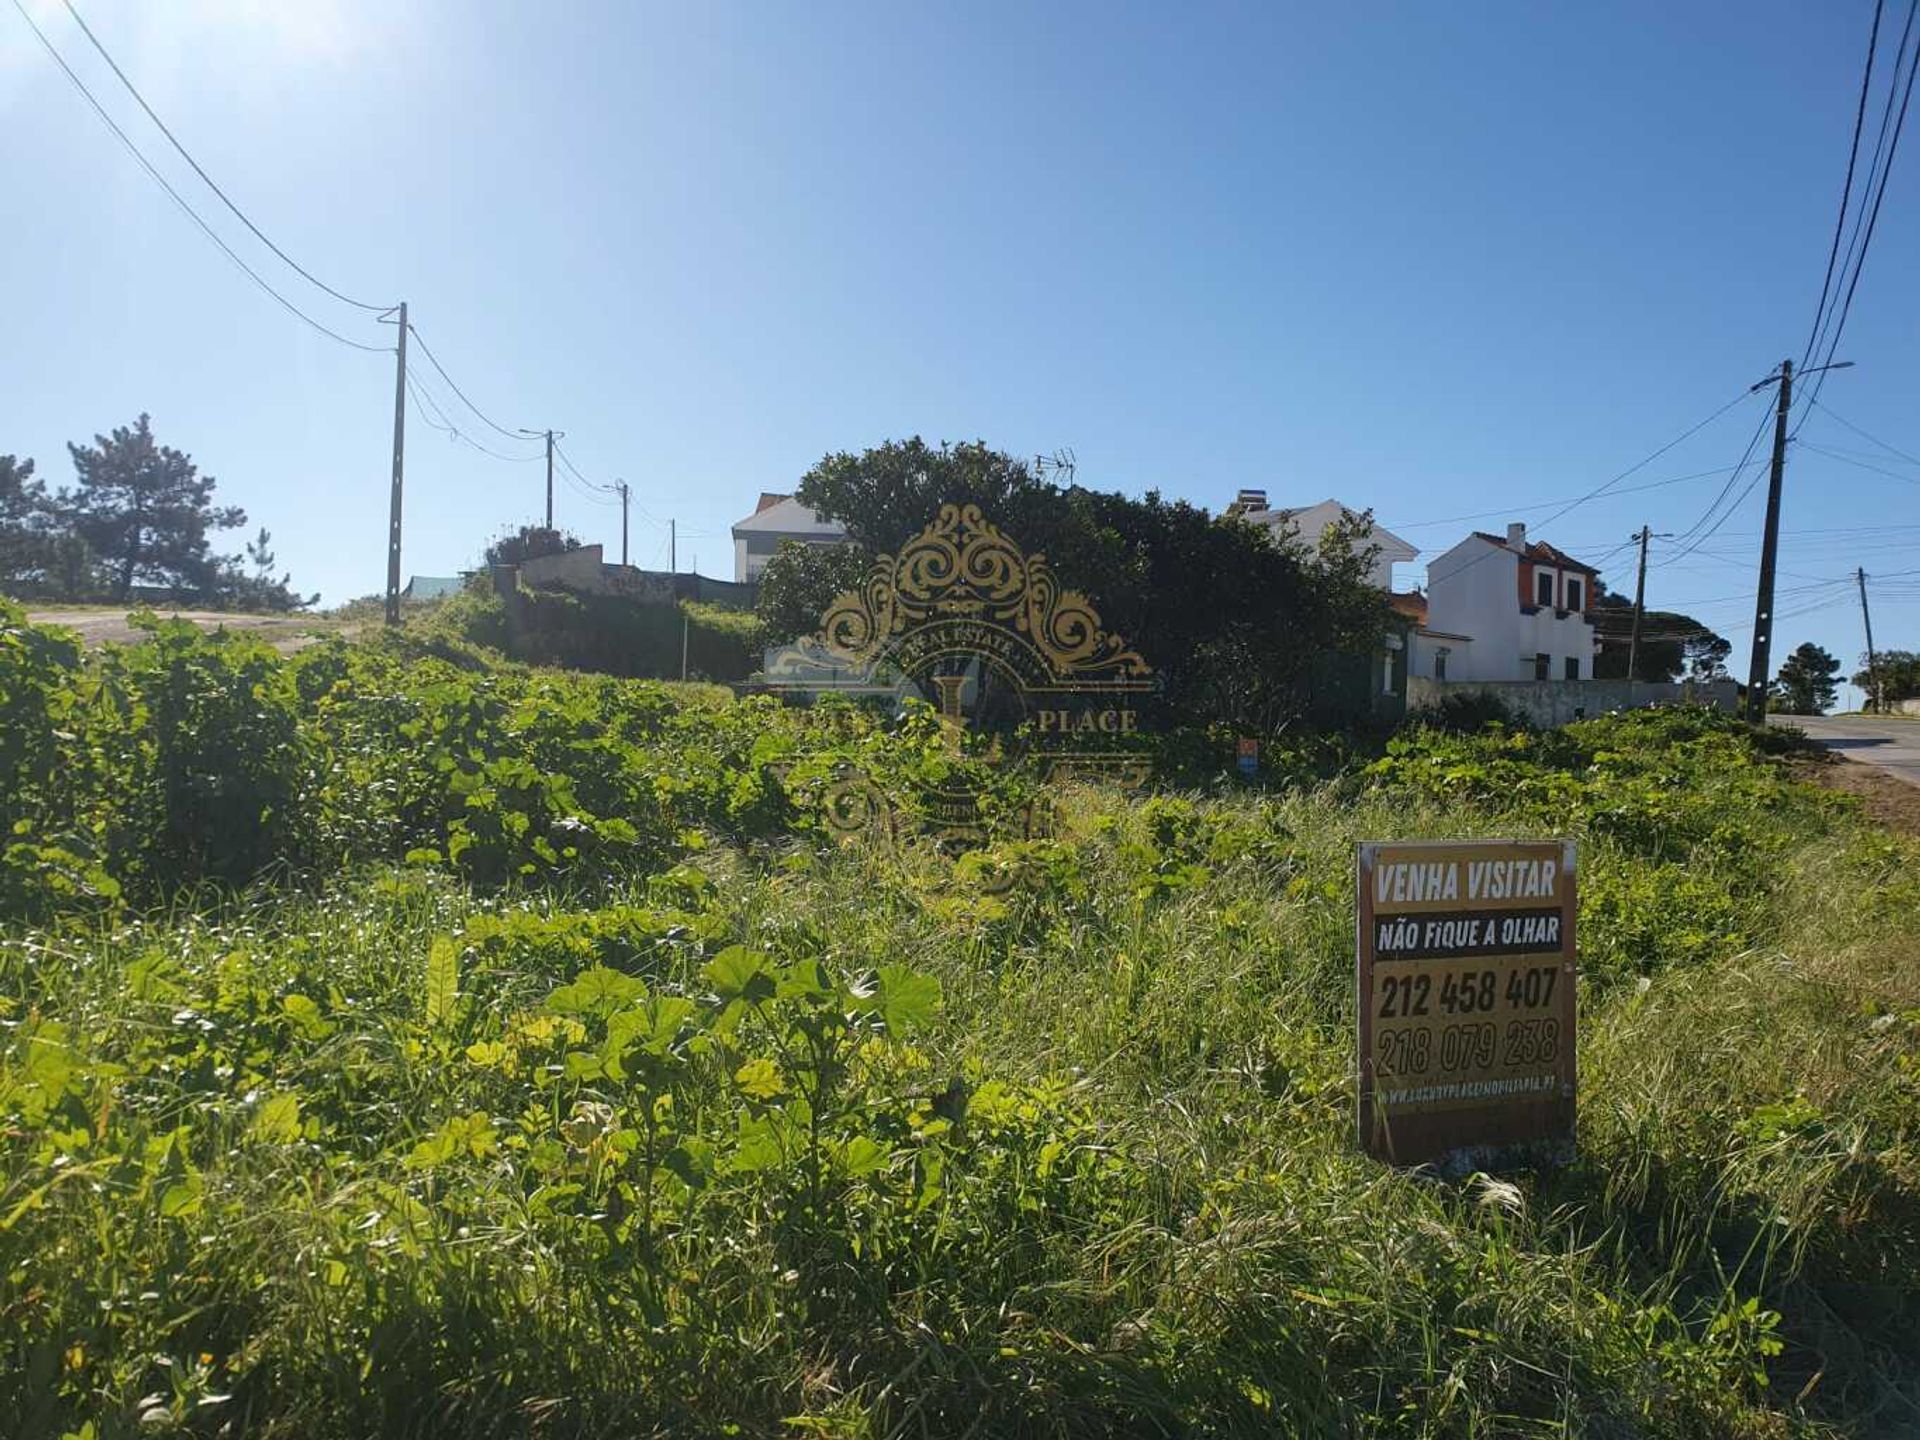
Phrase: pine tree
x=145 y=510
x=1805 y=685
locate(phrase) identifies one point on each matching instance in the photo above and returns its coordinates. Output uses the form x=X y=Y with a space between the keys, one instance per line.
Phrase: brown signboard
x=1466 y=1001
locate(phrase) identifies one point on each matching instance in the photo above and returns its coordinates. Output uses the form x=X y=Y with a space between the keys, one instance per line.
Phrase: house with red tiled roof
x=1524 y=603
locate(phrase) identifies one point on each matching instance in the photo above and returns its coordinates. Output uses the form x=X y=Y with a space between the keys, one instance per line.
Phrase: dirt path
x=1888 y=801
x=102 y=626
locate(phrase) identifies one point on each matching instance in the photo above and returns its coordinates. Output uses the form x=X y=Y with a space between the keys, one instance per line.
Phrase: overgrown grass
x=775 y=1137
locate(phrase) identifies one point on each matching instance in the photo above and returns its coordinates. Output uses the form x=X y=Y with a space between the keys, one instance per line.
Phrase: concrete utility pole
x=399 y=471
x=1639 y=600
x=1873 y=666
x=1769 y=552
x=625 y=491
x=673 y=547
x=549 y=479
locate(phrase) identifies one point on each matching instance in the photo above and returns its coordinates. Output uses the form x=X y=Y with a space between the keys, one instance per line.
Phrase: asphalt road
x=1892 y=743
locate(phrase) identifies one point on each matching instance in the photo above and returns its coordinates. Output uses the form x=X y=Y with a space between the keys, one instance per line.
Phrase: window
x=1542 y=667
x=1573 y=594
x=1440 y=663
x=1573 y=667
x=1543 y=587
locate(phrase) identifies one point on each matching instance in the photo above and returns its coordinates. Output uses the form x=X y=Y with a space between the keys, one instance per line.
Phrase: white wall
x=1560 y=702
x=1474 y=589
x=1307 y=523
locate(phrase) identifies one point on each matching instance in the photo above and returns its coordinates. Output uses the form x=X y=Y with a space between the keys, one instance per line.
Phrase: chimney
x=1517 y=535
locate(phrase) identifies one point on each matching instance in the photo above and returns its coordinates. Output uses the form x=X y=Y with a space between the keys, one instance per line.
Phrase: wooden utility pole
x=399 y=471
x=1873 y=666
x=625 y=491
x=1769 y=552
x=1639 y=601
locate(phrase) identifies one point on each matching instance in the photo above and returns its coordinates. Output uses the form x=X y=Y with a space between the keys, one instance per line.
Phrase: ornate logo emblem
x=1016 y=664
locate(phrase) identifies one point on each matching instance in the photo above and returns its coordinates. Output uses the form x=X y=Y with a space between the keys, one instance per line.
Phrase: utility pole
x=1873 y=666
x=1639 y=601
x=685 y=626
x=625 y=491
x=673 y=546
x=1769 y=552
x=549 y=434
x=399 y=472
x=1770 y=545
x=549 y=479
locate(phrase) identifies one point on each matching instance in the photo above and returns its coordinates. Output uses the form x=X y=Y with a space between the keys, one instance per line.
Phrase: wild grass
x=349 y=1159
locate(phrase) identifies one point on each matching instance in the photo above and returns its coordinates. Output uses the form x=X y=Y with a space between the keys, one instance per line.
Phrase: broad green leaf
x=863 y=1155
x=305 y=1015
x=599 y=991
x=738 y=973
x=907 y=998
x=759 y=1079
x=277 y=1121
x=183 y=1198
x=804 y=980
x=443 y=981
x=761 y=1143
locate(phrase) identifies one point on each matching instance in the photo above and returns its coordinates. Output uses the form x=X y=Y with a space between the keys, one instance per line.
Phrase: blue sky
x=1438 y=260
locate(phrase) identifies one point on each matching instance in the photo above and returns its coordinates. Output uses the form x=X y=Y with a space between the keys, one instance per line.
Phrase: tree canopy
x=1806 y=683
x=139 y=515
x=146 y=510
x=1239 y=627
x=1893 y=675
x=1673 y=646
x=529 y=542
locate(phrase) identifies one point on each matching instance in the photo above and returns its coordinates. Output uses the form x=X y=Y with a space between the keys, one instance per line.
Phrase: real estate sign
x=1466 y=1001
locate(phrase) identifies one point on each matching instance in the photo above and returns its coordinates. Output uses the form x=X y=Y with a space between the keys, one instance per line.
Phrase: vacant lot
x=400 y=1043
x=101 y=624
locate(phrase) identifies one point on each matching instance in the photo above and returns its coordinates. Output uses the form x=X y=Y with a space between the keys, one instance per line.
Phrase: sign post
x=1465 y=986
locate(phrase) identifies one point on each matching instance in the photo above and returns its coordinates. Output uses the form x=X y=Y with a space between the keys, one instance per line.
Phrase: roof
x=784 y=515
x=433 y=587
x=1539 y=552
x=1390 y=544
x=1412 y=604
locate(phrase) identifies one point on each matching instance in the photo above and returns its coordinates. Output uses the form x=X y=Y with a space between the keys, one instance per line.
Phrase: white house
x=1309 y=521
x=1524 y=604
x=775 y=519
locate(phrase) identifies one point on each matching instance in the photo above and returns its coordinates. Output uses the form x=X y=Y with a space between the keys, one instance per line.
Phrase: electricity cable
x=239 y=214
x=179 y=200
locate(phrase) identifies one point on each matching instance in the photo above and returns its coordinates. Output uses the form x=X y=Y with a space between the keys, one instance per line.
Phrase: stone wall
x=1557 y=702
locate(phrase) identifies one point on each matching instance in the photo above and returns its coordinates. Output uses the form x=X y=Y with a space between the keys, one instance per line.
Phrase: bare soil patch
x=1888 y=801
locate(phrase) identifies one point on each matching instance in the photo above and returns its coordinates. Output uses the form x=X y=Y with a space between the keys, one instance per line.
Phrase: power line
x=1607 y=485
x=1732 y=479
x=1846 y=190
x=1549 y=504
x=1892 y=145
x=434 y=361
x=1891 y=450
x=179 y=200
x=259 y=234
x=1858 y=464
x=423 y=401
